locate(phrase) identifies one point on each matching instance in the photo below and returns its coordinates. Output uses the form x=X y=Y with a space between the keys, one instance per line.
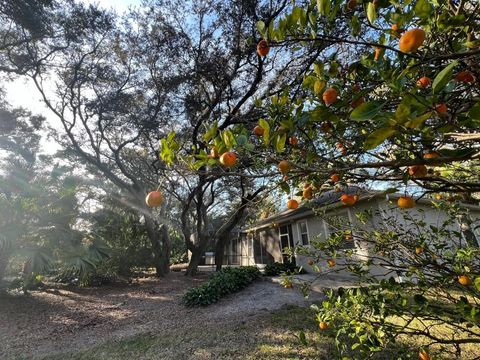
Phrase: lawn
x=268 y=336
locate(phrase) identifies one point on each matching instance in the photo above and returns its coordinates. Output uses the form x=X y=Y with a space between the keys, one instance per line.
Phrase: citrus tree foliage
x=392 y=102
x=428 y=284
x=401 y=114
x=382 y=119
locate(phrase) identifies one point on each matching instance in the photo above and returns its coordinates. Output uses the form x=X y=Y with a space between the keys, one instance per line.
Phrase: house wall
x=267 y=248
x=318 y=229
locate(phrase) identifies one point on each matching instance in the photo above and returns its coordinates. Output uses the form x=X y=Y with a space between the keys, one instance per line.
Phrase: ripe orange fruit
x=307 y=193
x=330 y=96
x=423 y=355
x=326 y=127
x=417 y=171
x=349 y=200
x=423 y=82
x=464 y=280
x=418 y=250
x=331 y=262
x=441 y=108
x=310 y=262
x=228 y=159
x=352 y=4
x=258 y=130
x=465 y=77
x=284 y=166
x=262 y=48
x=323 y=325
x=431 y=155
x=339 y=145
x=356 y=103
x=154 y=199
x=406 y=202
x=335 y=178
x=412 y=40
x=293 y=140
x=292 y=204
x=378 y=52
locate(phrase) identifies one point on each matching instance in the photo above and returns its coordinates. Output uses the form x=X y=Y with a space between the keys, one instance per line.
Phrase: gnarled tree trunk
x=160 y=241
x=194 y=262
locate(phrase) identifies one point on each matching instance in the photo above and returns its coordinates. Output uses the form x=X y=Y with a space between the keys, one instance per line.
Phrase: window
x=250 y=246
x=303 y=232
x=284 y=237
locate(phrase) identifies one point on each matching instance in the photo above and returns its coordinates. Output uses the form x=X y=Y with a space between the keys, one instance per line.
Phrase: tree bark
x=160 y=245
x=195 y=260
x=220 y=250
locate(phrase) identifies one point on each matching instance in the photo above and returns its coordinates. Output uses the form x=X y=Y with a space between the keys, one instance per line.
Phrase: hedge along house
x=266 y=241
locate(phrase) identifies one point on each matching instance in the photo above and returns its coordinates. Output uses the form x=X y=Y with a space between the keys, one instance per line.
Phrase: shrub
x=221 y=283
x=279 y=268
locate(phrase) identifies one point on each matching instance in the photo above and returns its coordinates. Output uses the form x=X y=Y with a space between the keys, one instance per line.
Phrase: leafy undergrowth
x=269 y=336
x=221 y=283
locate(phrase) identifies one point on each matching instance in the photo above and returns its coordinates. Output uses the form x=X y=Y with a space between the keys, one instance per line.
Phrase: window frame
x=300 y=233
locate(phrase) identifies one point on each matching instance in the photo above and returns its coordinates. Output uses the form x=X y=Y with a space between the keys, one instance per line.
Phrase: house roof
x=331 y=199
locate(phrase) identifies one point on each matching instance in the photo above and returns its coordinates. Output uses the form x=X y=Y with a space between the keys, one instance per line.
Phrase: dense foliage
x=277 y=268
x=391 y=103
x=220 y=284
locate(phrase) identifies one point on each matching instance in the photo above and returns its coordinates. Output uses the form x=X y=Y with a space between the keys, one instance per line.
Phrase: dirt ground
x=65 y=319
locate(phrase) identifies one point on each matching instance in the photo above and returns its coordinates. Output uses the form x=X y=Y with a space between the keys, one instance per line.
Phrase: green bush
x=279 y=268
x=221 y=283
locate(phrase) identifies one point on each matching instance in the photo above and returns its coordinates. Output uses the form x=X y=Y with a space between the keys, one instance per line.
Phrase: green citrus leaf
x=417 y=122
x=323 y=6
x=280 y=142
x=366 y=111
x=474 y=112
x=261 y=27
x=377 y=137
x=443 y=77
x=423 y=9
x=371 y=12
x=266 y=130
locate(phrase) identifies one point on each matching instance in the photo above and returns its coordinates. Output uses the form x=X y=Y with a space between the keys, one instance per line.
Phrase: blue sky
x=118 y=5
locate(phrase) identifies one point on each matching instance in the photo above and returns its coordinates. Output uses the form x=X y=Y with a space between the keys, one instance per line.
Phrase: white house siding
x=268 y=249
x=317 y=230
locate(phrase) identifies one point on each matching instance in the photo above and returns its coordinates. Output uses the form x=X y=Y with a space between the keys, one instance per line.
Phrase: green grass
x=270 y=337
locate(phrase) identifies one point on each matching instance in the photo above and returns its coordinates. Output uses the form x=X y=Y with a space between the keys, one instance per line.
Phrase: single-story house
x=264 y=242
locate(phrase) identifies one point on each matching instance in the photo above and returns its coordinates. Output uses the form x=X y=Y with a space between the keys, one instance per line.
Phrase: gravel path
x=59 y=319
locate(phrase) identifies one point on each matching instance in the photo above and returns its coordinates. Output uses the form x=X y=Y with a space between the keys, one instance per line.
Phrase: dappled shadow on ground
x=61 y=319
x=50 y=320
